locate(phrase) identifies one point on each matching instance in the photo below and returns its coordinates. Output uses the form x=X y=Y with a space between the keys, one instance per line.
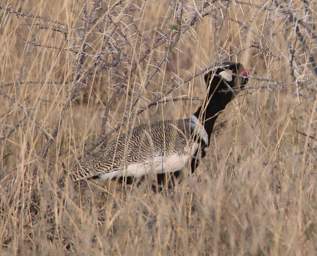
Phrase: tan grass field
x=72 y=72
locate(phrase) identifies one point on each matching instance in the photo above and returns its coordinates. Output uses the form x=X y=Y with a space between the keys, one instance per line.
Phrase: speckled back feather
x=144 y=142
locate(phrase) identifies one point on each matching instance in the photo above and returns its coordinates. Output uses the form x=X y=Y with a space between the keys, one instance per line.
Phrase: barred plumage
x=147 y=148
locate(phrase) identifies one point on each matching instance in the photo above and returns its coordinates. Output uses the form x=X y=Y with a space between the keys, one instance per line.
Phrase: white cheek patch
x=226 y=74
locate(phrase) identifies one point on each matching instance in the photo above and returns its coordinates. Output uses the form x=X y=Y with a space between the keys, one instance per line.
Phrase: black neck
x=217 y=101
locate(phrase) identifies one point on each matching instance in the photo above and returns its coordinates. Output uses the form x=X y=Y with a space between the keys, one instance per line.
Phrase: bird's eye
x=226 y=75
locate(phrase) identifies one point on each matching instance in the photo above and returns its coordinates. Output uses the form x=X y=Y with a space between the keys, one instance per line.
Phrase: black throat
x=217 y=100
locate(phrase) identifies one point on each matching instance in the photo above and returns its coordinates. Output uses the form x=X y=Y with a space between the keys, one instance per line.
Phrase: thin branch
x=306 y=135
x=167 y=100
x=19 y=13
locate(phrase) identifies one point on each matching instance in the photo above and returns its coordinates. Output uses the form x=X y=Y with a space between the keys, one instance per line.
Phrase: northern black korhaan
x=165 y=146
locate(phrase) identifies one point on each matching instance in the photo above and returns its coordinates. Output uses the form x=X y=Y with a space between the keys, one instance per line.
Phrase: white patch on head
x=227 y=75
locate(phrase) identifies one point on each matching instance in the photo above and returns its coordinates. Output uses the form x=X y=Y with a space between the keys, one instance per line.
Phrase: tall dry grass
x=74 y=72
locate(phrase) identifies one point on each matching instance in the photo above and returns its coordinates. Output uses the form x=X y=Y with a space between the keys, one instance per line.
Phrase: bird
x=165 y=146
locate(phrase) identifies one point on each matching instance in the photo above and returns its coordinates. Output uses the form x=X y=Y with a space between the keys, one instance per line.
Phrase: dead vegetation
x=72 y=72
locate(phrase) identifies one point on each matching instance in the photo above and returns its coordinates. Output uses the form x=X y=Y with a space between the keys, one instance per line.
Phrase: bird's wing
x=139 y=145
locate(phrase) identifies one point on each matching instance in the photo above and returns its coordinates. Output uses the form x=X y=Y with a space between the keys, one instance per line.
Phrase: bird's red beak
x=244 y=77
x=244 y=73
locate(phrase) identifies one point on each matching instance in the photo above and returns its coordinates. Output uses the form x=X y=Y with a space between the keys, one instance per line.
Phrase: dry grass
x=72 y=71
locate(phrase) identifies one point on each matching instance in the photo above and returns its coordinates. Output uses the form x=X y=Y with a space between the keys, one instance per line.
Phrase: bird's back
x=140 y=145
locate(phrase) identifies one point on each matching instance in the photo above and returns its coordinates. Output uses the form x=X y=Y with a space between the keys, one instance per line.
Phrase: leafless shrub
x=74 y=72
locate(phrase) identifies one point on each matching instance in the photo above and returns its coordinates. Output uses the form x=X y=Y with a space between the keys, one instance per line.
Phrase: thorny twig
x=166 y=100
x=297 y=23
x=10 y=10
x=48 y=23
x=306 y=135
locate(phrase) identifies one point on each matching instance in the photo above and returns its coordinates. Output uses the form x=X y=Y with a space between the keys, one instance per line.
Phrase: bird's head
x=229 y=77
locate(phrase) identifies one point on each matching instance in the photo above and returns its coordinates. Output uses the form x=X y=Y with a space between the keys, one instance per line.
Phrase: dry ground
x=75 y=71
